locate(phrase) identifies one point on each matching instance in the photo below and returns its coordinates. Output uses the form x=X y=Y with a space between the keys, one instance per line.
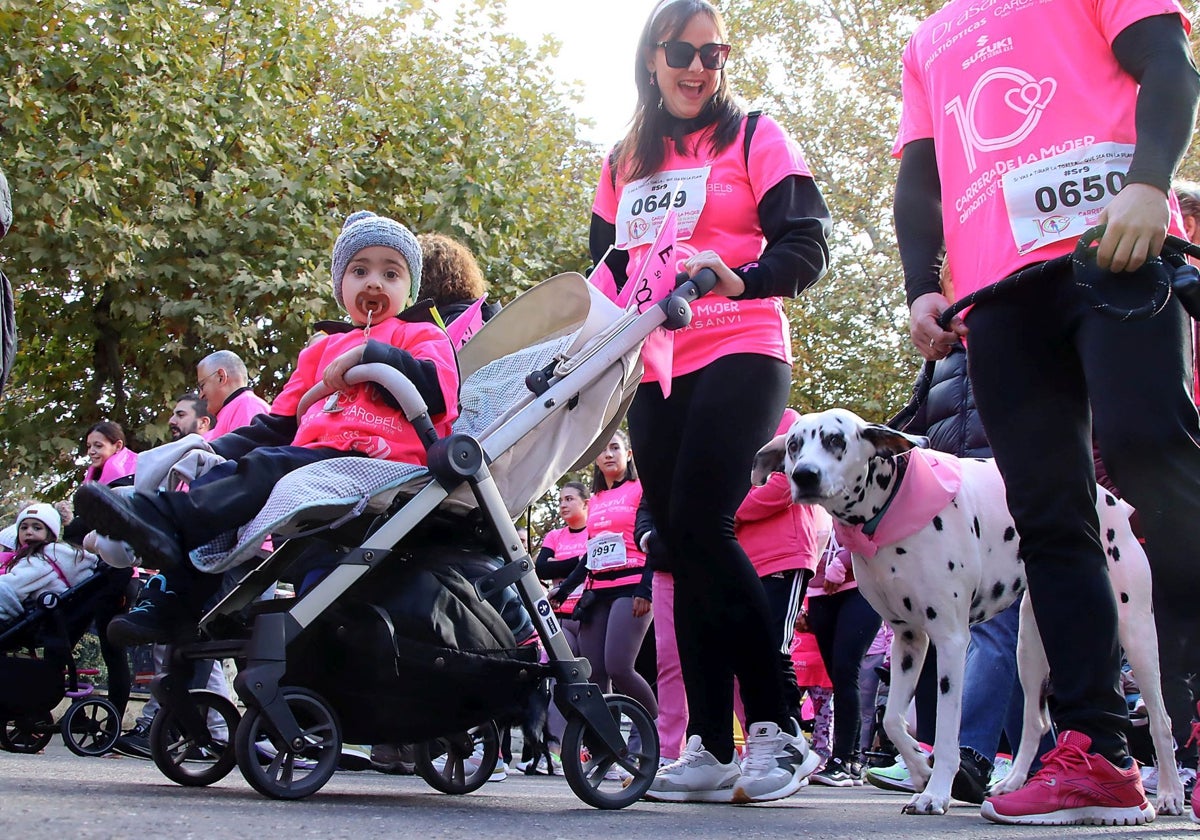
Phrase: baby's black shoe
x=160 y=616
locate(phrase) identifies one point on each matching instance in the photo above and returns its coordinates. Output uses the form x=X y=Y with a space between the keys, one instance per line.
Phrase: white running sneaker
x=1187 y=776
x=893 y=777
x=777 y=763
x=696 y=776
x=1000 y=770
x=473 y=762
x=617 y=773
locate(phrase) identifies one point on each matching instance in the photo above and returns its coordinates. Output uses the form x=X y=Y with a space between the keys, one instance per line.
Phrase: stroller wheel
x=280 y=770
x=459 y=763
x=598 y=776
x=27 y=734
x=91 y=726
x=195 y=759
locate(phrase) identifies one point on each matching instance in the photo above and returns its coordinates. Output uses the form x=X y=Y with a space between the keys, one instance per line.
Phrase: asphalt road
x=60 y=796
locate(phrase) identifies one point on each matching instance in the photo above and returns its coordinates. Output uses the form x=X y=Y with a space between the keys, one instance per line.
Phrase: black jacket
x=948 y=416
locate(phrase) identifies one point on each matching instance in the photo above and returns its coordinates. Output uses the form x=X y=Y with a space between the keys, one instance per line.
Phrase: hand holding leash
x=931 y=340
x=1135 y=227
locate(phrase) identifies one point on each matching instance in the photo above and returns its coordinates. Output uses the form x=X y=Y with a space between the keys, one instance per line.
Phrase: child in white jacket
x=40 y=563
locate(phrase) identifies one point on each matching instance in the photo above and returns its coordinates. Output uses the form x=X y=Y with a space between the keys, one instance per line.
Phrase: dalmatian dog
x=935 y=550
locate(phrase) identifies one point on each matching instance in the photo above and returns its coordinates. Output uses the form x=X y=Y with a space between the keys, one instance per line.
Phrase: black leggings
x=694 y=452
x=845 y=625
x=113 y=602
x=785 y=593
x=1048 y=372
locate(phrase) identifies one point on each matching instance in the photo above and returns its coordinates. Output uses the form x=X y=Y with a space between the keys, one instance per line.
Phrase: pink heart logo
x=1031 y=95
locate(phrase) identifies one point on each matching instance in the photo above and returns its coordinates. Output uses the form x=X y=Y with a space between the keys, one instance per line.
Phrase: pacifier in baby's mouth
x=372 y=303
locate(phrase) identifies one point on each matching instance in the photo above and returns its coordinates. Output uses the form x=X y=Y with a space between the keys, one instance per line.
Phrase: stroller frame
x=454 y=461
x=91 y=724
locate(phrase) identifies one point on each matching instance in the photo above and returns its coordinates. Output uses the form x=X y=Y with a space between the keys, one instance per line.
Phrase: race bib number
x=1060 y=197
x=606 y=551
x=645 y=203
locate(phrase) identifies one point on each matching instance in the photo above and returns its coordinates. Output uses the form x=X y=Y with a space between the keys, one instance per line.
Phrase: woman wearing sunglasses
x=751 y=212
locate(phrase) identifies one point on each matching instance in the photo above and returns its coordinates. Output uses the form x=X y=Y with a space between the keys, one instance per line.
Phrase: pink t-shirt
x=566 y=544
x=615 y=512
x=1033 y=122
x=365 y=423
x=239 y=411
x=727 y=223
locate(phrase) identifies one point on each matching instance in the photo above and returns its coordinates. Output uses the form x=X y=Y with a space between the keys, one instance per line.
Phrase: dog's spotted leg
x=1129 y=571
x=950 y=637
x=1032 y=669
x=909 y=646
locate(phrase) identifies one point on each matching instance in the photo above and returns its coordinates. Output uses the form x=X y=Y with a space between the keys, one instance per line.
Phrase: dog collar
x=930 y=482
x=871 y=524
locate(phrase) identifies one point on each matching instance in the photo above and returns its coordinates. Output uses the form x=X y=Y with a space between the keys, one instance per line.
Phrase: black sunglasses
x=679 y=54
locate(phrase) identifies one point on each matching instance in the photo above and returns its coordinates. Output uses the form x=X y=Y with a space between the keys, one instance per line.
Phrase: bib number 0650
x=1092 y=189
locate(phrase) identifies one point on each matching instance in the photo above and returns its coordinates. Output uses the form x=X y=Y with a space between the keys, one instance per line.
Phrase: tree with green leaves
x=829 y=71
x=180 y=169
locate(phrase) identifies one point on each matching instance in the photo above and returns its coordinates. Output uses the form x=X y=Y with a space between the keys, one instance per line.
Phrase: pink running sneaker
x=1074 y=787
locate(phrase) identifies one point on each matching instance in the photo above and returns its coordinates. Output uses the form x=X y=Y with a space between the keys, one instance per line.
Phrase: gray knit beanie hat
x=364 y=229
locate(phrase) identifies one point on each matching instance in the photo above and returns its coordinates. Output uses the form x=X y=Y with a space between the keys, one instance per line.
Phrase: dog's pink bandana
x=930 y=481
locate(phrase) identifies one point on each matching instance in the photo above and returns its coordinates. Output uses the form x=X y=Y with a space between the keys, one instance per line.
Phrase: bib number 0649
x=1092 y=189
x=655 y=202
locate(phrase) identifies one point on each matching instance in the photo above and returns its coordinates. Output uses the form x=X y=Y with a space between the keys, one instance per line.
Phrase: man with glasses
x=222 y=381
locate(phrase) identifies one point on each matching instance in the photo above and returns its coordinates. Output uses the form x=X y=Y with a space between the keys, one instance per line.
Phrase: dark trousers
x=694 y=452
x=224 y=499
x=785 y=592
x=1048 y=373
x=845 y=625
x=232 y=494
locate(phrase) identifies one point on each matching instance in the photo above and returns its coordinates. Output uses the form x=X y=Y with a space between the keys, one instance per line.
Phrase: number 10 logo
x=1027 y=96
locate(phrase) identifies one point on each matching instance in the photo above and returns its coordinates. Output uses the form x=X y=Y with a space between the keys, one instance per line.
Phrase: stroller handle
x=386 y=377
x=695 y=287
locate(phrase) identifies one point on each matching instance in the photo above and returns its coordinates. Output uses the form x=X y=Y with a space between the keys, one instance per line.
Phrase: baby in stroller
x=50 y=593
x=376 y=270
x=40 y=562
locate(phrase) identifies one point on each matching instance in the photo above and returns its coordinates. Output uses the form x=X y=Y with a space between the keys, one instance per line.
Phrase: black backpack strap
x=751 y=124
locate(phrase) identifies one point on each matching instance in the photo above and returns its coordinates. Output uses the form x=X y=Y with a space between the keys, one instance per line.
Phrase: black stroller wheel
x=91 y=726
x=194 y=759
x=280 y=770
x=459 y=763
x=601 y=778
x=27 y=734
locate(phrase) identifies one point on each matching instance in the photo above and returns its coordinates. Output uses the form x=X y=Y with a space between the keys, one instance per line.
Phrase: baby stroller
x=34 y=685
x=411 y=631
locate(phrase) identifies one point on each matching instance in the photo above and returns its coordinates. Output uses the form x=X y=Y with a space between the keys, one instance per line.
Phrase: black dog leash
x=1178 y=276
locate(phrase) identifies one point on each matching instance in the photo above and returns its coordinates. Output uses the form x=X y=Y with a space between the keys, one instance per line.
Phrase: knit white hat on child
x=45 y=514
